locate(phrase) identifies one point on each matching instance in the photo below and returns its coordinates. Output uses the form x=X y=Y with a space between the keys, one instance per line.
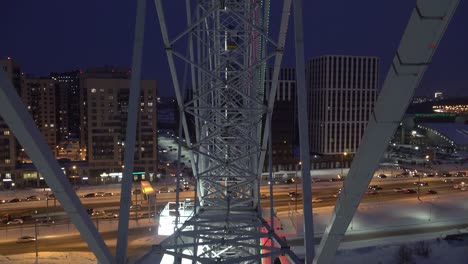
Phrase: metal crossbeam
x=228 y=47
x=130 y=140
x=425 y=29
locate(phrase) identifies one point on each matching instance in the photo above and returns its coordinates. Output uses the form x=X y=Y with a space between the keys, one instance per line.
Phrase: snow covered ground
x=50 y=258
x=398 y=218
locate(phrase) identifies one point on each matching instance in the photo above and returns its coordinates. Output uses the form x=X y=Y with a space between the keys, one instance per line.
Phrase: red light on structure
x=8 y=58
x=432 y=46
x=81 y=71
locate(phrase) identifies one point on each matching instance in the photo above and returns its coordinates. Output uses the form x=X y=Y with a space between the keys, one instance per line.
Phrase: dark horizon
x=44 y=37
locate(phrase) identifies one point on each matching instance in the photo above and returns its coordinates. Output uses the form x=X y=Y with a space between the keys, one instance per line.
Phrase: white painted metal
x=425 y=29
x=130 y=140
x=229 y=110
x=23 y=127
x=303 y=121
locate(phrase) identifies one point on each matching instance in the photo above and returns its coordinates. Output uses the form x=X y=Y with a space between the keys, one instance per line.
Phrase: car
x=2 y=201
x=45 y=221
x=317 y=200
x=289 y=181
x=382 y=176
x=430 y=175
x=135 y=207
x=89 y=210
x=421 y=183
x=337 y=193
x=409 y=191
x=371 y=192
x=444 y=174
x=111 y=215
x=89 y=195
x=448 y=180
x=25 y=239
x=431 y=192
x=264 y=196
x=16 y=221
x=98 y=213
x=104 y=194
x=163 y=190
x=460 y=174
x=51 y=197
x=33 y=198
x=398 y=190
x=293 y=194
x=14 y=200
x=137 y=191
x=374 y=187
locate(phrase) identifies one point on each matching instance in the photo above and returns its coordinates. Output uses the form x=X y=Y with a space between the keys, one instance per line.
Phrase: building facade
x=8 y=146
x=39 y=97
x=106 y=119
x=284 y=121
x=68 y=107
x=343 y=90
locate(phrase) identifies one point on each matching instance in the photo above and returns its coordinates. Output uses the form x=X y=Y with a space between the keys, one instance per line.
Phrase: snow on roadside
x=50 y=258
x=440 y=252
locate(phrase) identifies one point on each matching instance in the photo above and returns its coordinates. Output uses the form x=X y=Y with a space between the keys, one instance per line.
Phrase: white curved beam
x=423 y=33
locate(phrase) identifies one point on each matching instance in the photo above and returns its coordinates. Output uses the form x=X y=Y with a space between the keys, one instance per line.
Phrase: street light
x=74 y=174
x=342 y=157
x=297 y=167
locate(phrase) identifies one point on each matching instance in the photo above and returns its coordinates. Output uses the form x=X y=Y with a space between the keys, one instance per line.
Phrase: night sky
x=53 y=35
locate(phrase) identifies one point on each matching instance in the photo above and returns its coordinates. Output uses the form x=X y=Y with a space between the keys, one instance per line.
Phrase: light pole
x=74 y=174
x=342 y=160
x=297 y=167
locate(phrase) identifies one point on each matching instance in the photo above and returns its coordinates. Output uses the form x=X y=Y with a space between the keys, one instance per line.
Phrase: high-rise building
x=284 y=120
x=39 y=97
x=68 y=105
x=343 y=90
x=105 y=122
x=7 y=139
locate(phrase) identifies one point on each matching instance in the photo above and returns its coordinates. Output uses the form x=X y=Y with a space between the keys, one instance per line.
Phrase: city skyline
x=75 y=43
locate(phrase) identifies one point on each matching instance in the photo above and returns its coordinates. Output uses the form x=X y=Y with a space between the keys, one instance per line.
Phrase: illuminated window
x=7 y=161
x=93 y=90
x=6 y=133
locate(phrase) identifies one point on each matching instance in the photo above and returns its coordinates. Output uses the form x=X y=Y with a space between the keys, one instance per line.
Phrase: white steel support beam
x=25 y=130
x=130 y=140
x=172 y=67
x=303 y=121
x=229 y=107
x=274 y=78
x=423 y=33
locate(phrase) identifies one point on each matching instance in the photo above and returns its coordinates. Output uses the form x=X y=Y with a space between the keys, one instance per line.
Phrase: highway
x=282 y=201
x=70 y=241
x=74 y=242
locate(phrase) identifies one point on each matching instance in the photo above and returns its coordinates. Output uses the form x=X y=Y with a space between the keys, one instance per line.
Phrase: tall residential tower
x=343 y=90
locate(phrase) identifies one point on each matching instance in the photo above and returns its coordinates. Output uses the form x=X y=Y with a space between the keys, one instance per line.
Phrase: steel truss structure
x=228 y=47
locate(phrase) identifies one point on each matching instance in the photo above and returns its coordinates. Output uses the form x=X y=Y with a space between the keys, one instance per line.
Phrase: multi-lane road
x=325 y=191
x=282 y=202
